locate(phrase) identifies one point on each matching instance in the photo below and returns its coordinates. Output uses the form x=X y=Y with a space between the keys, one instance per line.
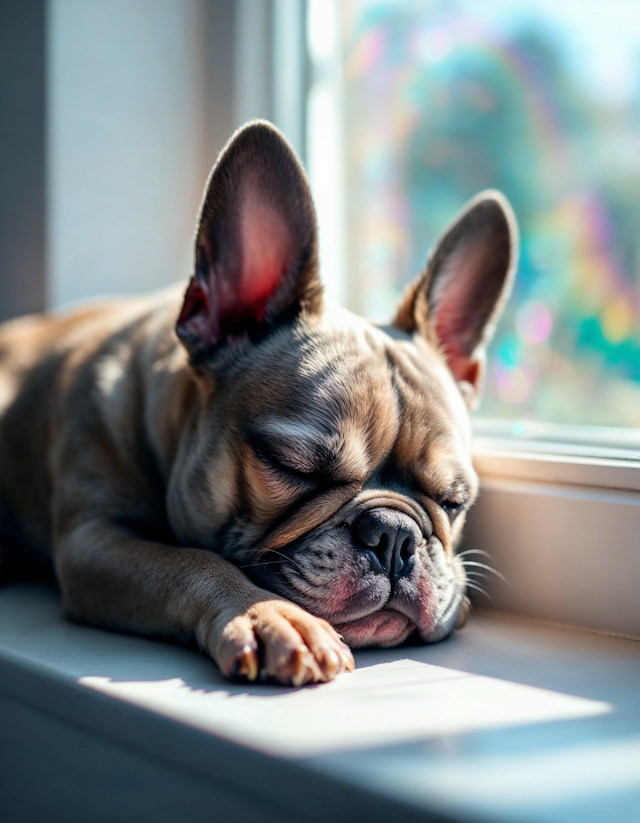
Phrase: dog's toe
x=333 y=656
x=277 y=641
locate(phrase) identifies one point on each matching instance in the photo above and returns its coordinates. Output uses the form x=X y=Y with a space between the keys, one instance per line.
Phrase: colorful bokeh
x=443 y=99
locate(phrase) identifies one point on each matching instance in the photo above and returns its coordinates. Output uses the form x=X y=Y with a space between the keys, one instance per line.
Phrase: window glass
x=538 y=99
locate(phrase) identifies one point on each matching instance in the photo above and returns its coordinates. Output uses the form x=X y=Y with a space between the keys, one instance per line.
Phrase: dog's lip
x=382 y=627
x=361 y=618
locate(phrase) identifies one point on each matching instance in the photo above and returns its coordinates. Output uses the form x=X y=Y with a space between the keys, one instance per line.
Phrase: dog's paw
x=277 y=641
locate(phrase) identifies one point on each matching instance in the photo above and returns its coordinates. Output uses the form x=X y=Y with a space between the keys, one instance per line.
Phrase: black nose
x=393 y=537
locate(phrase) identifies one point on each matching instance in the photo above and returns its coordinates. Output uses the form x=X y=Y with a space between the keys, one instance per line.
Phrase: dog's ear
x=256 y=244
x=459 y=298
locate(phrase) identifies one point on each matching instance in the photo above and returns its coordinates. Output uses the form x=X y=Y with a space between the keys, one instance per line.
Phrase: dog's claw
x=305 y=668
x=246 y=665
x=330 y=663
x=348 y=663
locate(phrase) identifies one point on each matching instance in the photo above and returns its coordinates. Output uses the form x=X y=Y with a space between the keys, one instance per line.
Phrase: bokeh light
x=534 y=322
x=512 y=384
x=443 y=99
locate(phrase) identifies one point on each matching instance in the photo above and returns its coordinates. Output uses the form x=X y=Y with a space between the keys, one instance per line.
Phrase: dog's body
x=273 y=453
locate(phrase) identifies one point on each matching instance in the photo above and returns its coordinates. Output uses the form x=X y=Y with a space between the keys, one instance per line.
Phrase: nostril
x=370 y=531
x=407 y=548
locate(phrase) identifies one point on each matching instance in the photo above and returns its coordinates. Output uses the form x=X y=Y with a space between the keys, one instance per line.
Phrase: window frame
x=560 y=521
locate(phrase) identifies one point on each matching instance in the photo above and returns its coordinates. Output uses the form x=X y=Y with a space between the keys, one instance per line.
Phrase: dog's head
x=330 y=459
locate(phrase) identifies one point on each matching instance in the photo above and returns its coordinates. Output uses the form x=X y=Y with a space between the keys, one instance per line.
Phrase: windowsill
x=570 y=455
x=559 y=514
x=555 y=463
x=507 y=721
x=553 y=438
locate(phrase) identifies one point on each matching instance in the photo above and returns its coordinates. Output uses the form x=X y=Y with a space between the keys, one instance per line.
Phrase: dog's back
x=40 y=356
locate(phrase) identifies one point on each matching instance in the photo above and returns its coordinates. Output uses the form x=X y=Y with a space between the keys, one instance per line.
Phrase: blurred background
x=113 y=111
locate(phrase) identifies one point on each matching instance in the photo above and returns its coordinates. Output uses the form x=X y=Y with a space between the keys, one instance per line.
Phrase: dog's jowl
x=244 y=466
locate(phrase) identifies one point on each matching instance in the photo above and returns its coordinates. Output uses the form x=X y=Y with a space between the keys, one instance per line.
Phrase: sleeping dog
x=242 y=466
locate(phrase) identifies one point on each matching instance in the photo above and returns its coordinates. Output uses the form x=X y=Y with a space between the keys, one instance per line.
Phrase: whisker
x=472 y=585
x=475 y=551
x=259 y=563
x=270 y=562
x=286 y=557
x=479 y=574
x=466 y=563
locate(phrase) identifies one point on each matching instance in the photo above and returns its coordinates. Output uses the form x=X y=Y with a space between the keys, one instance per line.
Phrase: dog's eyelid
x=451 y=505
x=455 y=497
x=291 y=475
x=282 y=462
x=456 y=494
x=312 y=461
x=310 y=479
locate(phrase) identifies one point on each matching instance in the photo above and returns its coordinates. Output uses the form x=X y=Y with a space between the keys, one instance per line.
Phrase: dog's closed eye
x=283 y=470
x=299 y=452
x=455 y=499
x=292 y=458
x=452 y=507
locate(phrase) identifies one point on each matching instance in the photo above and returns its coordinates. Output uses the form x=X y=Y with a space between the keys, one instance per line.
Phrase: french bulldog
x=244 y=467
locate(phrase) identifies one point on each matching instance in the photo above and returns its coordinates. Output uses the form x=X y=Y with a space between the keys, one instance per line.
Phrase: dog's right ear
x=457 y=301
x=256 y=260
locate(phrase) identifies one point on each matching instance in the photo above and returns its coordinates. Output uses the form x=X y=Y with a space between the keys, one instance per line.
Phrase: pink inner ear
x=452 y=305
x=448 y=334
x=465 y=370
x=236 y=293
x=265 y=257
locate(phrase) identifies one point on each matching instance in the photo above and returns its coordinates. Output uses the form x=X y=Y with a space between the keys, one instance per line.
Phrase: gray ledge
x=510 y=720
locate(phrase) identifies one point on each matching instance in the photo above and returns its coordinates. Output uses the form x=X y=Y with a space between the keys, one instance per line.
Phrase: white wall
x=127 y=150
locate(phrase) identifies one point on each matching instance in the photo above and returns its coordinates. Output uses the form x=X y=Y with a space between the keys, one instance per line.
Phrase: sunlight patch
x=388 y=703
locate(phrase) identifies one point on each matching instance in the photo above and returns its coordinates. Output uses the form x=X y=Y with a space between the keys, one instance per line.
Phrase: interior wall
x=22 y=157
x=112 y=114
x=131 y=139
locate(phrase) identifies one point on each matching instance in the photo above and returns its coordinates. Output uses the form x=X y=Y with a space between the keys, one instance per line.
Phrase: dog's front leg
x=112 y=579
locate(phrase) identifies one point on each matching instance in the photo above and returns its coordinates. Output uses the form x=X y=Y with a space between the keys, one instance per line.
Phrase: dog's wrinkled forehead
x=348 y=395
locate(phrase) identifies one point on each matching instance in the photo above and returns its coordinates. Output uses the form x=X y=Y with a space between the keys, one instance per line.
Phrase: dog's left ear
x=256 y=245
x=458 y=300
